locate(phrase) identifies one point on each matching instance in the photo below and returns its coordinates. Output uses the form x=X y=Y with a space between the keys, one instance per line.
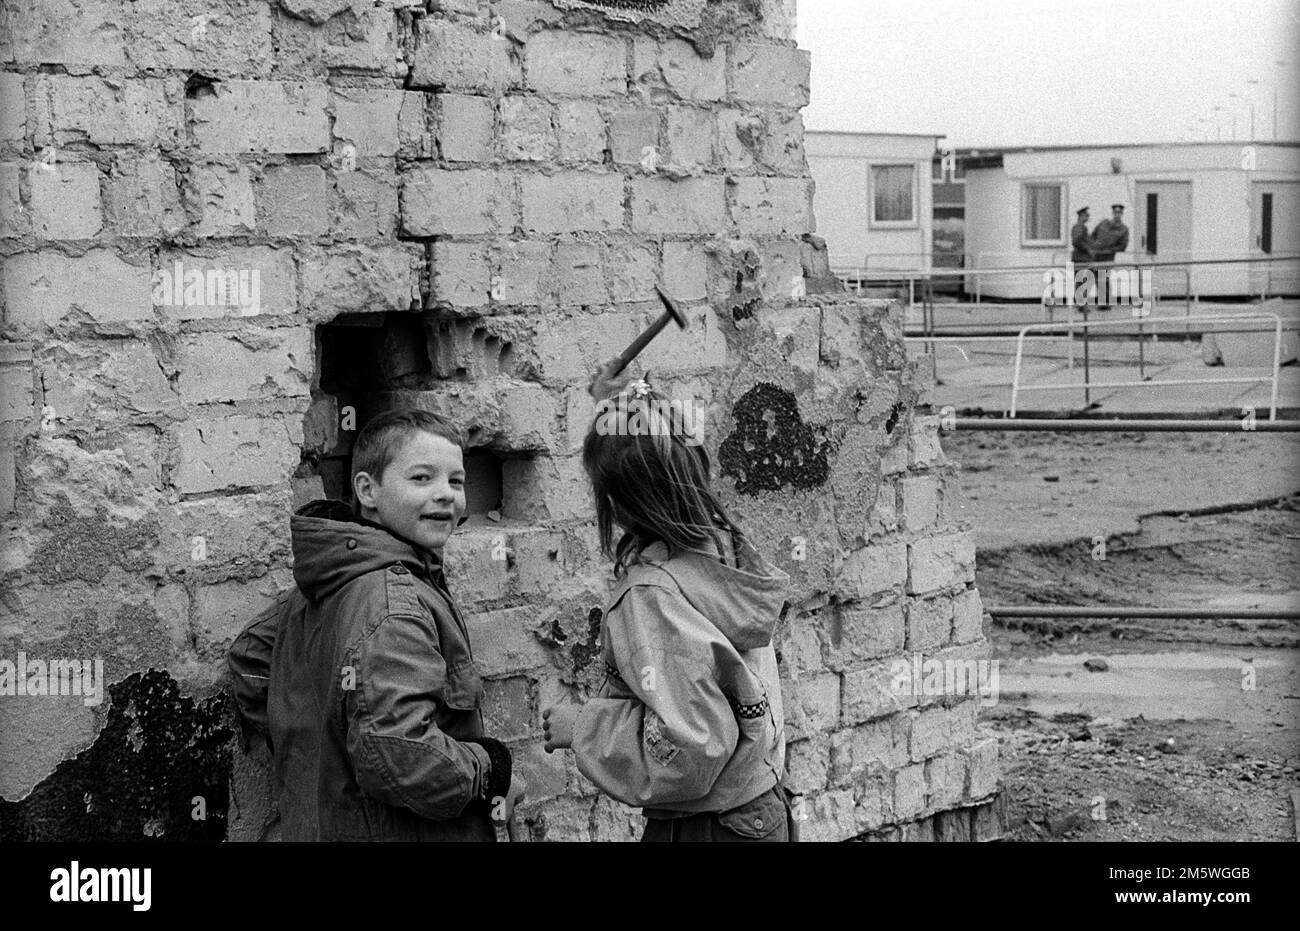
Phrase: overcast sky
x=1042 y=72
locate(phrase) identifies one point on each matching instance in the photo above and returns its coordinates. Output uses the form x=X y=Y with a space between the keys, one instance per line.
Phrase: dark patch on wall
x=746 y=295
x=86 y=548
x=892 y=420
x=158 y=750
x=584 y=651
x=772 y=446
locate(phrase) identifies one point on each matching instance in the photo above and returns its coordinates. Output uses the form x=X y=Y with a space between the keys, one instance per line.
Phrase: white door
x=1162 y=230
x=1275 y=231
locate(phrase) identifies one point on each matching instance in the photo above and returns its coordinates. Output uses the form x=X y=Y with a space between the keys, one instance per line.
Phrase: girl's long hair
x=650 y=480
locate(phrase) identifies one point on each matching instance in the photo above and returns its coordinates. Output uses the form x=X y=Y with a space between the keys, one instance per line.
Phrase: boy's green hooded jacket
x=363 y=681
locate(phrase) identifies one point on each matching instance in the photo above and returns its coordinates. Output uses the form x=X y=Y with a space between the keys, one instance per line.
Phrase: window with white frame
x=893 y=195
x=1042 y=214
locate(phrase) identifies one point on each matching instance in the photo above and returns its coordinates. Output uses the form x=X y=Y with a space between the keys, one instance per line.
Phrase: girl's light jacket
x=689 y=718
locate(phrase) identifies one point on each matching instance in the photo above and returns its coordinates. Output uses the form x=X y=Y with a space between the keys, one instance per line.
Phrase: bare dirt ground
x=1174 y=729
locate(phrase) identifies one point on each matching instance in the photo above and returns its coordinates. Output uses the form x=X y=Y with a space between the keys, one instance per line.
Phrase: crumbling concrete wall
x=232 y=231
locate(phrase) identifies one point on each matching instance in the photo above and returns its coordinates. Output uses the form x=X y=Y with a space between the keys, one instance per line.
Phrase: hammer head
x=671 y=305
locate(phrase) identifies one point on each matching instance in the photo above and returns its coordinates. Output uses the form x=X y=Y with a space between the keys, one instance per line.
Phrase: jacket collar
x=332 y=546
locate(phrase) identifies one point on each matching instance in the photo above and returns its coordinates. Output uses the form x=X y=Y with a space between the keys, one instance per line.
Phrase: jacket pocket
x=757 y=819
x=464 y=689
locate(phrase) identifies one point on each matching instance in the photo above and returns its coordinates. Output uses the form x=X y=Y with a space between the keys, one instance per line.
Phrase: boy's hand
x=504 y=808
x=605 y=384
x=557 y=727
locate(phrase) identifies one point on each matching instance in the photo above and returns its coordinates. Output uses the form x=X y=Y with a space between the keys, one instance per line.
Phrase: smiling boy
x=362 y=678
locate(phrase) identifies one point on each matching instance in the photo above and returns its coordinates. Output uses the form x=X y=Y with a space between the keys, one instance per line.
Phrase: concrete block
x=539 y=561
x=945 y=781
x=909 y=791
x=812 y=705
x=544 y=489
x=701 y=346
x=293 y=201
x=526 y=129
x=632 y=271
x=364 y=204
x=580 y=274
x=15 y=219
x=439 y=202
x=939 y=562
x=685 y=270
x=460 y=273
x=931 y=733
x=367 y=119
x=235 y=366
x=929 y=623
x=581 y=131
x=576 y=64
x=261 y=116
x=783 y=149
x=872 y=570
x=675 y=70
x=236 y=282
x=807 y=764
x=982 y=768
x=236 y=452
x=883 y=517
x=41 y=288
x=342 y=279
x=862 y=633
x=222 y=196
x=631 y=133
x=522 y=274
x=920 y=501
x=91 y=109
x=65 y=201
x=91 y=33
x=568 y=349
x=873 y=692
x=871 y=749
x=456 y=55
x=476 y=565
x=770 y=74
x=572 y=201
x=772 y=206
x=141 y=197
x=465 y=127
x=223 y=609
x=741 y=136
x=13 y=107
x=691 y=133
x=504 y=643
x=688 y=206
x=232 y=38
x=924 y=437
x=832 y=816
x=968 y=617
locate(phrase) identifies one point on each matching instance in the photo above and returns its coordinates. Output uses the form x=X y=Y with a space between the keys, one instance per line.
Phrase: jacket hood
x=745 y=604
x=332 y=546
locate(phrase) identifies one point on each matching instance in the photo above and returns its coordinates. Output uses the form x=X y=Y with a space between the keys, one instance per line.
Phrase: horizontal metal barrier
x=1087 y=385
x=1124 y=611
x=1244 y=425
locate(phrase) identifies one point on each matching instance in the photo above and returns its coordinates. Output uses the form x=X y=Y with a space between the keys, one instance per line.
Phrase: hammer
x=672 y=311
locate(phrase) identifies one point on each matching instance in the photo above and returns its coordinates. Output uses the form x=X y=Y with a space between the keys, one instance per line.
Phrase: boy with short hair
x=362 y=677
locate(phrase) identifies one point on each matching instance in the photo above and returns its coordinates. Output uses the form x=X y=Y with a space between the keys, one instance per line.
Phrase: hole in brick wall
x=482 y=481
x=365 y=358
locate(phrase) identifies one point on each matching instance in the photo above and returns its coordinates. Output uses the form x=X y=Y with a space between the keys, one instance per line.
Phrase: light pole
x=1234 y=96
x=1218 y=130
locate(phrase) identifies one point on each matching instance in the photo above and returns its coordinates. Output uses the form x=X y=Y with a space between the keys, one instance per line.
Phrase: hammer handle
x=634 y=348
